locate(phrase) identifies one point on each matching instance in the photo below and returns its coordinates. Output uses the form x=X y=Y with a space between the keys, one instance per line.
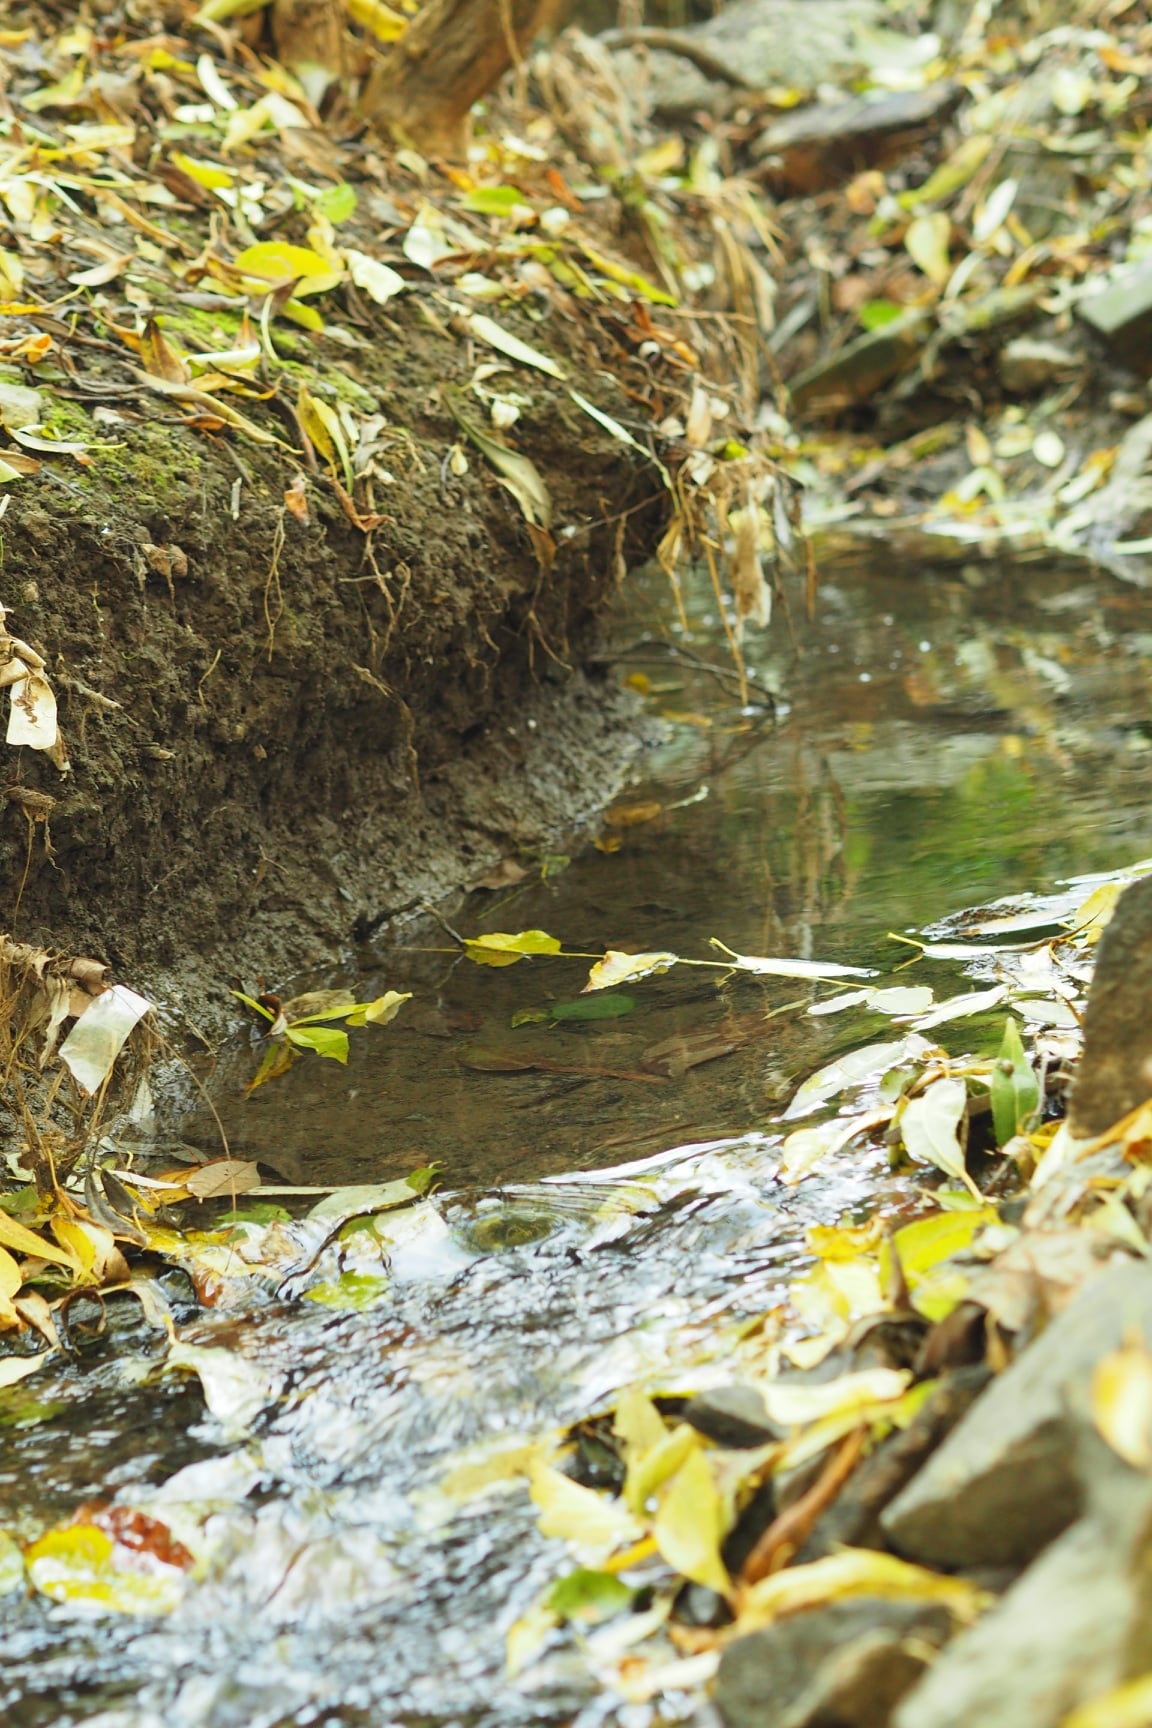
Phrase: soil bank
x=316 y=727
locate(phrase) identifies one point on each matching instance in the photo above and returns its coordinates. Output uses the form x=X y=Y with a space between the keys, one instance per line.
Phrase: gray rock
x=1007 y=1481
x=1028 y=365
x=855 y=373
x=1121 y=312
x=845 y=1665
x=1077 y=1623
x=1115 y=1071
x=827 y=142
x=801 y=43
x=733 y=1416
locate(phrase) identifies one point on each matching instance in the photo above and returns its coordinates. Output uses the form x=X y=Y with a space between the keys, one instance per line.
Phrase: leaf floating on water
x=617 y=968
x=962 y=1007
x=223 y=1176
x=364 y=1197
x=852 y=1069
x=1015 y=1089
x=501 y=949
x=1122 y=1403
x=772 y=968
x=805 y=1147
x=930 y=1127
x=690 y=1524
x=856 y=1572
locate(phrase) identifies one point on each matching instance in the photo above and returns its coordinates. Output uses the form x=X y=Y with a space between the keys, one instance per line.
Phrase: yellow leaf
x=590 y=1522
x=927 y=244
x=81 y=1563
x=650 y=1470
x=24 y=1241
x=10 y=1276
x=854 y=1572
x=637 y=1422
x=276 y=262
x=617 y=968
x=205 y=174
x=794 y=1402
x=922 y=1246
x=1122 y=1403
x=322 y=424
x=378 y=19
x=500 y=949
x=378 y=1013
x=16 y=1368
x=93 y=1246
x=844 y=1241
x=691 y=1524
x=1126 y=1706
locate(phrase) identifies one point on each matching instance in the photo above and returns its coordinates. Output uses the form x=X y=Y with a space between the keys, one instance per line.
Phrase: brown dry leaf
x=223 y=1176
x=160 y=359
x=296 y=500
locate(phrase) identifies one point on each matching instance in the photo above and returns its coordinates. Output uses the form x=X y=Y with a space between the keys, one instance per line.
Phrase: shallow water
x=943 y=739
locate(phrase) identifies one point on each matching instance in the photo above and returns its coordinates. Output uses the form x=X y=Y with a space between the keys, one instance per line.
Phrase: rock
x=818 y=146
x=1077 y=1623
x=1028 y=365
x=1121 y=512
x=844 y=1665
x=732 y=1416
x=853 y=1518
x=20 y=406
x=854 y=373
x=798 y=43
x=1007 y=1481
x=1121 y=312
x=1115 y=1071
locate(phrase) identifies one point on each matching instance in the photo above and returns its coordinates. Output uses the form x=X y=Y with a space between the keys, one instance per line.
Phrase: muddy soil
x=316 y=728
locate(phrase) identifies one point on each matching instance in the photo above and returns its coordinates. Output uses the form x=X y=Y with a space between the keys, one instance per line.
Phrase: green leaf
x=336 y=202
x=517 y=473
x=1015 y=1088
x=251 y=1002
x=588 y=1595
x=325 y=1040
x=491 y=200
x=487 y=330
x=874 y=314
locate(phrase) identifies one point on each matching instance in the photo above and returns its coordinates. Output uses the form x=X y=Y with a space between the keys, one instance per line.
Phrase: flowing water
x=609 y=1208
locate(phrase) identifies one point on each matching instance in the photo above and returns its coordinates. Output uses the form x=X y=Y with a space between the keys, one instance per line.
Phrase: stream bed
x=609 y=1205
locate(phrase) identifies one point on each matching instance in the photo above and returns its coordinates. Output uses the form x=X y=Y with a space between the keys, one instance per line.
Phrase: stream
x=609 y=1208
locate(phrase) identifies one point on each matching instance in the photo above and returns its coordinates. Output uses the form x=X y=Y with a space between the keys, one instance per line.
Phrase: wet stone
x=828 y=142
x=1115 y=1071
x=1008 y=1479
x=847 y=1664
x=1122 y=314
x=1028 y=365
x=732 y=1416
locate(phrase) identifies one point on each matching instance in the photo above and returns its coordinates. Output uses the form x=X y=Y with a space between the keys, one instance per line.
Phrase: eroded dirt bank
x=315 y=728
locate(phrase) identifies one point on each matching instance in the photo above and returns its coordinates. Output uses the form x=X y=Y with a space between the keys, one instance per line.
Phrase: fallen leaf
x=690 y=1524
x=854 y=1572
x=501 y=949
x=930 y=1127
x=1122 y=1403
x=592 y=1523
x=618 y=968
x=487 y=330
